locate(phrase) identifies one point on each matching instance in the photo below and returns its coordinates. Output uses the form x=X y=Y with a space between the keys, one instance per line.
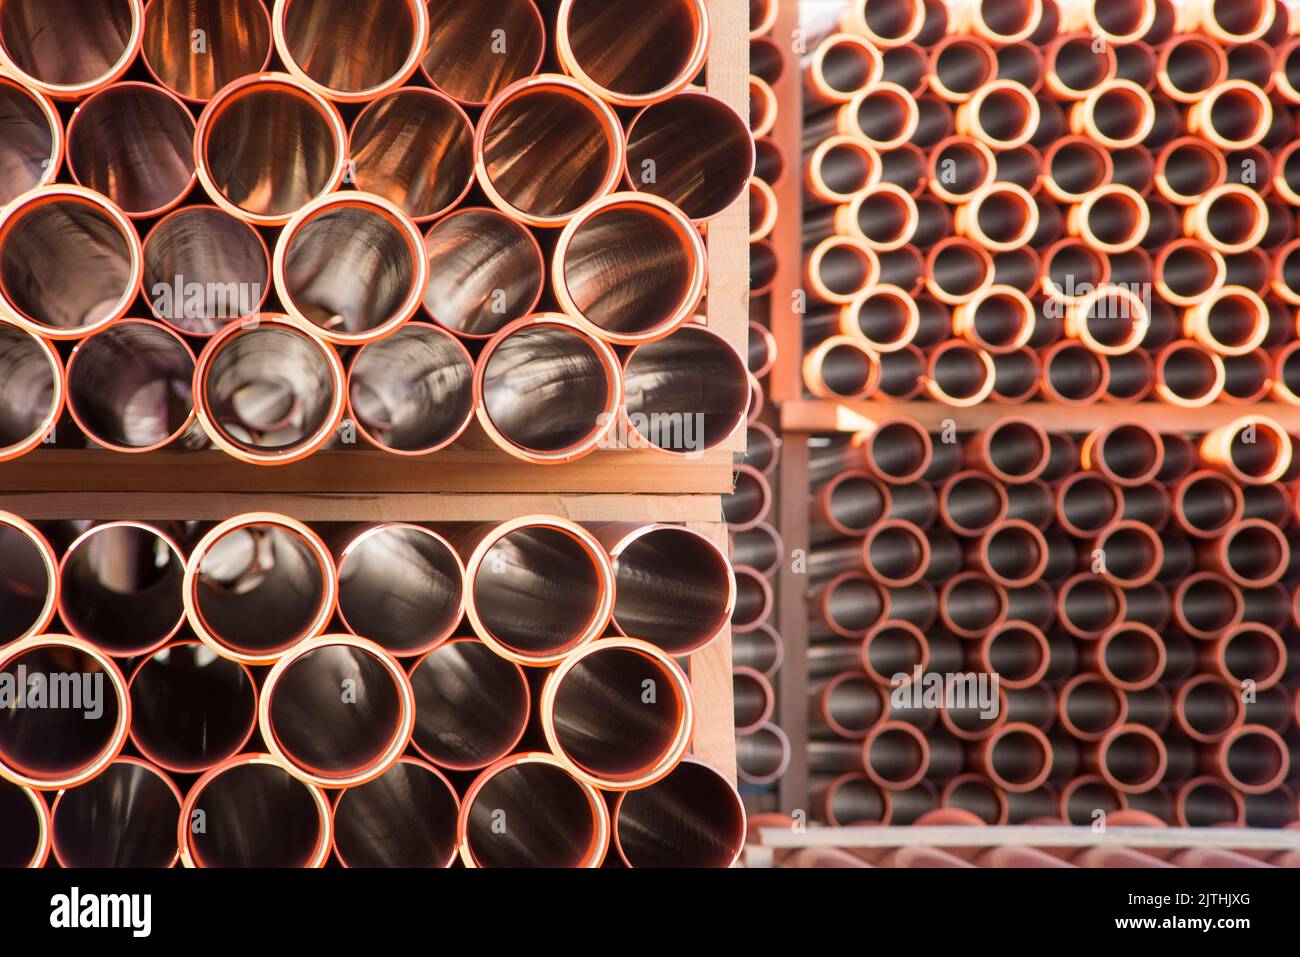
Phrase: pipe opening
x=203 y=268
x=961 y=372
x=1190 y=271
x=848 y=64
x=1209 y=708
x=1189 y=373
x=1016 y=375
x=268 y=148
x=120 y=588
x=1083 y=797
x=1090 y=707
x=631 y=268
x=853 y=705
x=1075 y=373
x=752 y=699
x=1254 y=653
x=401 y=586
x=894 y=648
x=350 y=268
x=845 y=369
x=268 y=391
x=406 y=817
x=28 y=581
x=895 y=22
x=1207 y=503
x=351 y=49
x=1134 y=656
x=1132 y=552
x=1238 y=115
x=191 y=709
x=847 y=269
x=1190 y=170
x=1207 y=802
x=259 y=588
x=1018 y=653
x=134 y=143
x=1076 y=166
x=69 y=43
x=885 y=315
x=67 y=264
x=549 y=148
x=1134 y=758
x=1207 y=605
x=65 y=744
x=1078 y=66
x=539 y=590
x=964 y=166
x=1006 y=115
x=971 y=502
x=1071 y=267
x=661 y=53
x=1020 y=757
x=485 y=271
x=1257 y=449
x=463 y=59
x=691 y=377
x=1255 y=552
x=763 y=756
x=1255 y=759
x=885 y=115
x=899 y=451
x=886 y=218
x=1192 y=65
x=31 y=393
x=1089 y=606
x=258 y=815
x=601 y=721
x=237 y=36
x=33 y=141
x=896 y=552
x=959 y=270
x=1130 y=454
x=1000 y=318
x=129 y=386
x=412 y=392
x=973 y=605
x=125 y=817
x=897 y=755
x=1005 y=218
x=415 y=148
x=856 y=800
x=1015 y=553
x=962 y=66
x=852 y=604
x=691 y=818
x=23 y=839
x=748 y=502
x=546 y=388
x=324 y=733
x=673 y=589
x=471 y=705
x=753 y=600
x=554 y=820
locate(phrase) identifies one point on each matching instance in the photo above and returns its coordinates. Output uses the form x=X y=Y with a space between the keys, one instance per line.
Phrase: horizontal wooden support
x=356 y=470
x=818 y=415
x=1029 y=835
x=326 y=507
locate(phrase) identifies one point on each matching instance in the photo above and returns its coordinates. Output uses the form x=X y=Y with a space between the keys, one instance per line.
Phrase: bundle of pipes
x=1083 y=201
x=412 y=215
x=264 y=693
x=757 y=551
x=1027 y=625
x=762 y=747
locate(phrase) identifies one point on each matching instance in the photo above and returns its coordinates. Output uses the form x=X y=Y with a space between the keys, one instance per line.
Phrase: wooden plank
x=785 y=382
x=792 y=622
x=452 y=470
x=1032 y=835
x=815 y=415
x=326 y=507
x=710 y=671
x=727 y=307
